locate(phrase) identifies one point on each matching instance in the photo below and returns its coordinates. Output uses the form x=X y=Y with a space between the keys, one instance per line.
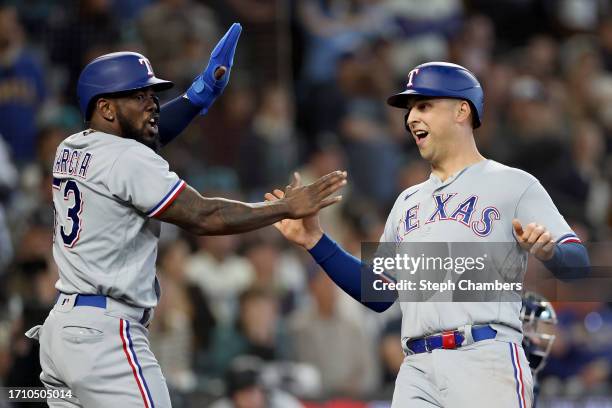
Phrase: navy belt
x=86 y=300
x=91 y=300
x=100 y=301
x=449 y=340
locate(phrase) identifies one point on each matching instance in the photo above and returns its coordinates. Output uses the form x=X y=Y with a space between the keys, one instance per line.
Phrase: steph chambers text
x=446 y=286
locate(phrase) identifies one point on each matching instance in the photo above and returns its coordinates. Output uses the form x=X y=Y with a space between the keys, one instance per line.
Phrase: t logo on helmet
x=411 y=75
x=147 y=64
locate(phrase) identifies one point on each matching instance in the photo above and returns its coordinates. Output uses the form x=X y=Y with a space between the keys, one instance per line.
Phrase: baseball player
x=458 y=354
x=111 y=190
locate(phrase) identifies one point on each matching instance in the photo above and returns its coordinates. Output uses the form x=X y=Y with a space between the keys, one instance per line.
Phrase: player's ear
x=106 y=107
x=464 y=112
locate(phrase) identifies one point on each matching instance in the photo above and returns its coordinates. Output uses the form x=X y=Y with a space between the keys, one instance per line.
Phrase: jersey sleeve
x=535 y=205
x=143 y=179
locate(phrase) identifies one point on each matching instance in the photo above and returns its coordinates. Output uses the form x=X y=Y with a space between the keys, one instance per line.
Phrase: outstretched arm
x=219 y=216
x=206 y=87
x=343 y=268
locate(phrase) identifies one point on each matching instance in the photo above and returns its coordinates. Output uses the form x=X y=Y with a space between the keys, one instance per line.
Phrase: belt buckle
x=448 y=340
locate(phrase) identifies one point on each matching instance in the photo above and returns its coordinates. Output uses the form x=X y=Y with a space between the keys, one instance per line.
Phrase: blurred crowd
x=249 y=320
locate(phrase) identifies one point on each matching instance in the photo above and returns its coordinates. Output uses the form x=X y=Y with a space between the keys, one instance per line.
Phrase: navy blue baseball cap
x=113 y=73
x=442 y=79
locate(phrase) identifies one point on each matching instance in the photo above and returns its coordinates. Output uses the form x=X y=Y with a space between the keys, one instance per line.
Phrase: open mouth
x=153 y=122
x=420 y=134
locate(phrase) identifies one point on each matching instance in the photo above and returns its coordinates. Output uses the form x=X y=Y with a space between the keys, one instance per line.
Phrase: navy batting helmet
x=442 y=79
x=116 y=72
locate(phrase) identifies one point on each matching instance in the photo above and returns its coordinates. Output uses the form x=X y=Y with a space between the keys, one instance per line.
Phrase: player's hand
x=212 y=81
x=307 y=230
x=534 y=238
x=303 y=201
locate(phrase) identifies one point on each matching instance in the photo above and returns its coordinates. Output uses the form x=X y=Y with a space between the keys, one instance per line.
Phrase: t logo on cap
x=411 y=74
x=147 y=64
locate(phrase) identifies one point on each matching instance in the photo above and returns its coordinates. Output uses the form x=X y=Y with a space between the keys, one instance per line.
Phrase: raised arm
x=219 y=216
x=178 y=113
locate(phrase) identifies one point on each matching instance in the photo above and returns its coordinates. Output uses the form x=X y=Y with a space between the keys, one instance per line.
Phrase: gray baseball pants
x=101 y=355
x=488 y=373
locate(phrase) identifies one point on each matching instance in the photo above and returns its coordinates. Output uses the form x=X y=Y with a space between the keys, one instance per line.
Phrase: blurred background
x=249 y=320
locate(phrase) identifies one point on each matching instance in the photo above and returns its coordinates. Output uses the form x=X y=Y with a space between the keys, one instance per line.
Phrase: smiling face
x=433 y=125
x=138 y=116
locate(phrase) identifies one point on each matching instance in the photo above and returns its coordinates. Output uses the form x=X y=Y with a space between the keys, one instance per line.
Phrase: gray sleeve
x=535 y=205
x=142 y=178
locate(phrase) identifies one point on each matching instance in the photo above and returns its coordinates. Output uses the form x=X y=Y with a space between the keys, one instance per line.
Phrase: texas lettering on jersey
x=449 y=207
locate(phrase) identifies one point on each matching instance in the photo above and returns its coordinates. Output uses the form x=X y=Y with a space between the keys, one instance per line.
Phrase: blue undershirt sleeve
x=345 y=270
x=174 y=117
x=570 y=261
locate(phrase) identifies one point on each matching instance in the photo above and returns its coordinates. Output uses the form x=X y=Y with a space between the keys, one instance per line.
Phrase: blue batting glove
x=205 y=88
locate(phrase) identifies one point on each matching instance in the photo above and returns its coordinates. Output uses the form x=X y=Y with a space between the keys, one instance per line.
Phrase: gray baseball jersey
x=106 y=189
x=475 y=205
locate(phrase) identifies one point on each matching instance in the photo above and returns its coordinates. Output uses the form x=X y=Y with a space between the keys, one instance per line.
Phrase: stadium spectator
x=183 y=322
x=22 y=88
x=276 y=269
x=80 y=34
x=257 y=331
x=245 y=388
x=346 y=367
x=177 y=50
x=269 y=152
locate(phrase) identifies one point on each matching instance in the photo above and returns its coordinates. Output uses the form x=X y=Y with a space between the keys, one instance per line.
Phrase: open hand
x=307 y=200
x=304 y=228
x=534 y=238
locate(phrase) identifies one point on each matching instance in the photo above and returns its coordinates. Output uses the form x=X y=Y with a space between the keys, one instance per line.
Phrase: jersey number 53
x=71 y=230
